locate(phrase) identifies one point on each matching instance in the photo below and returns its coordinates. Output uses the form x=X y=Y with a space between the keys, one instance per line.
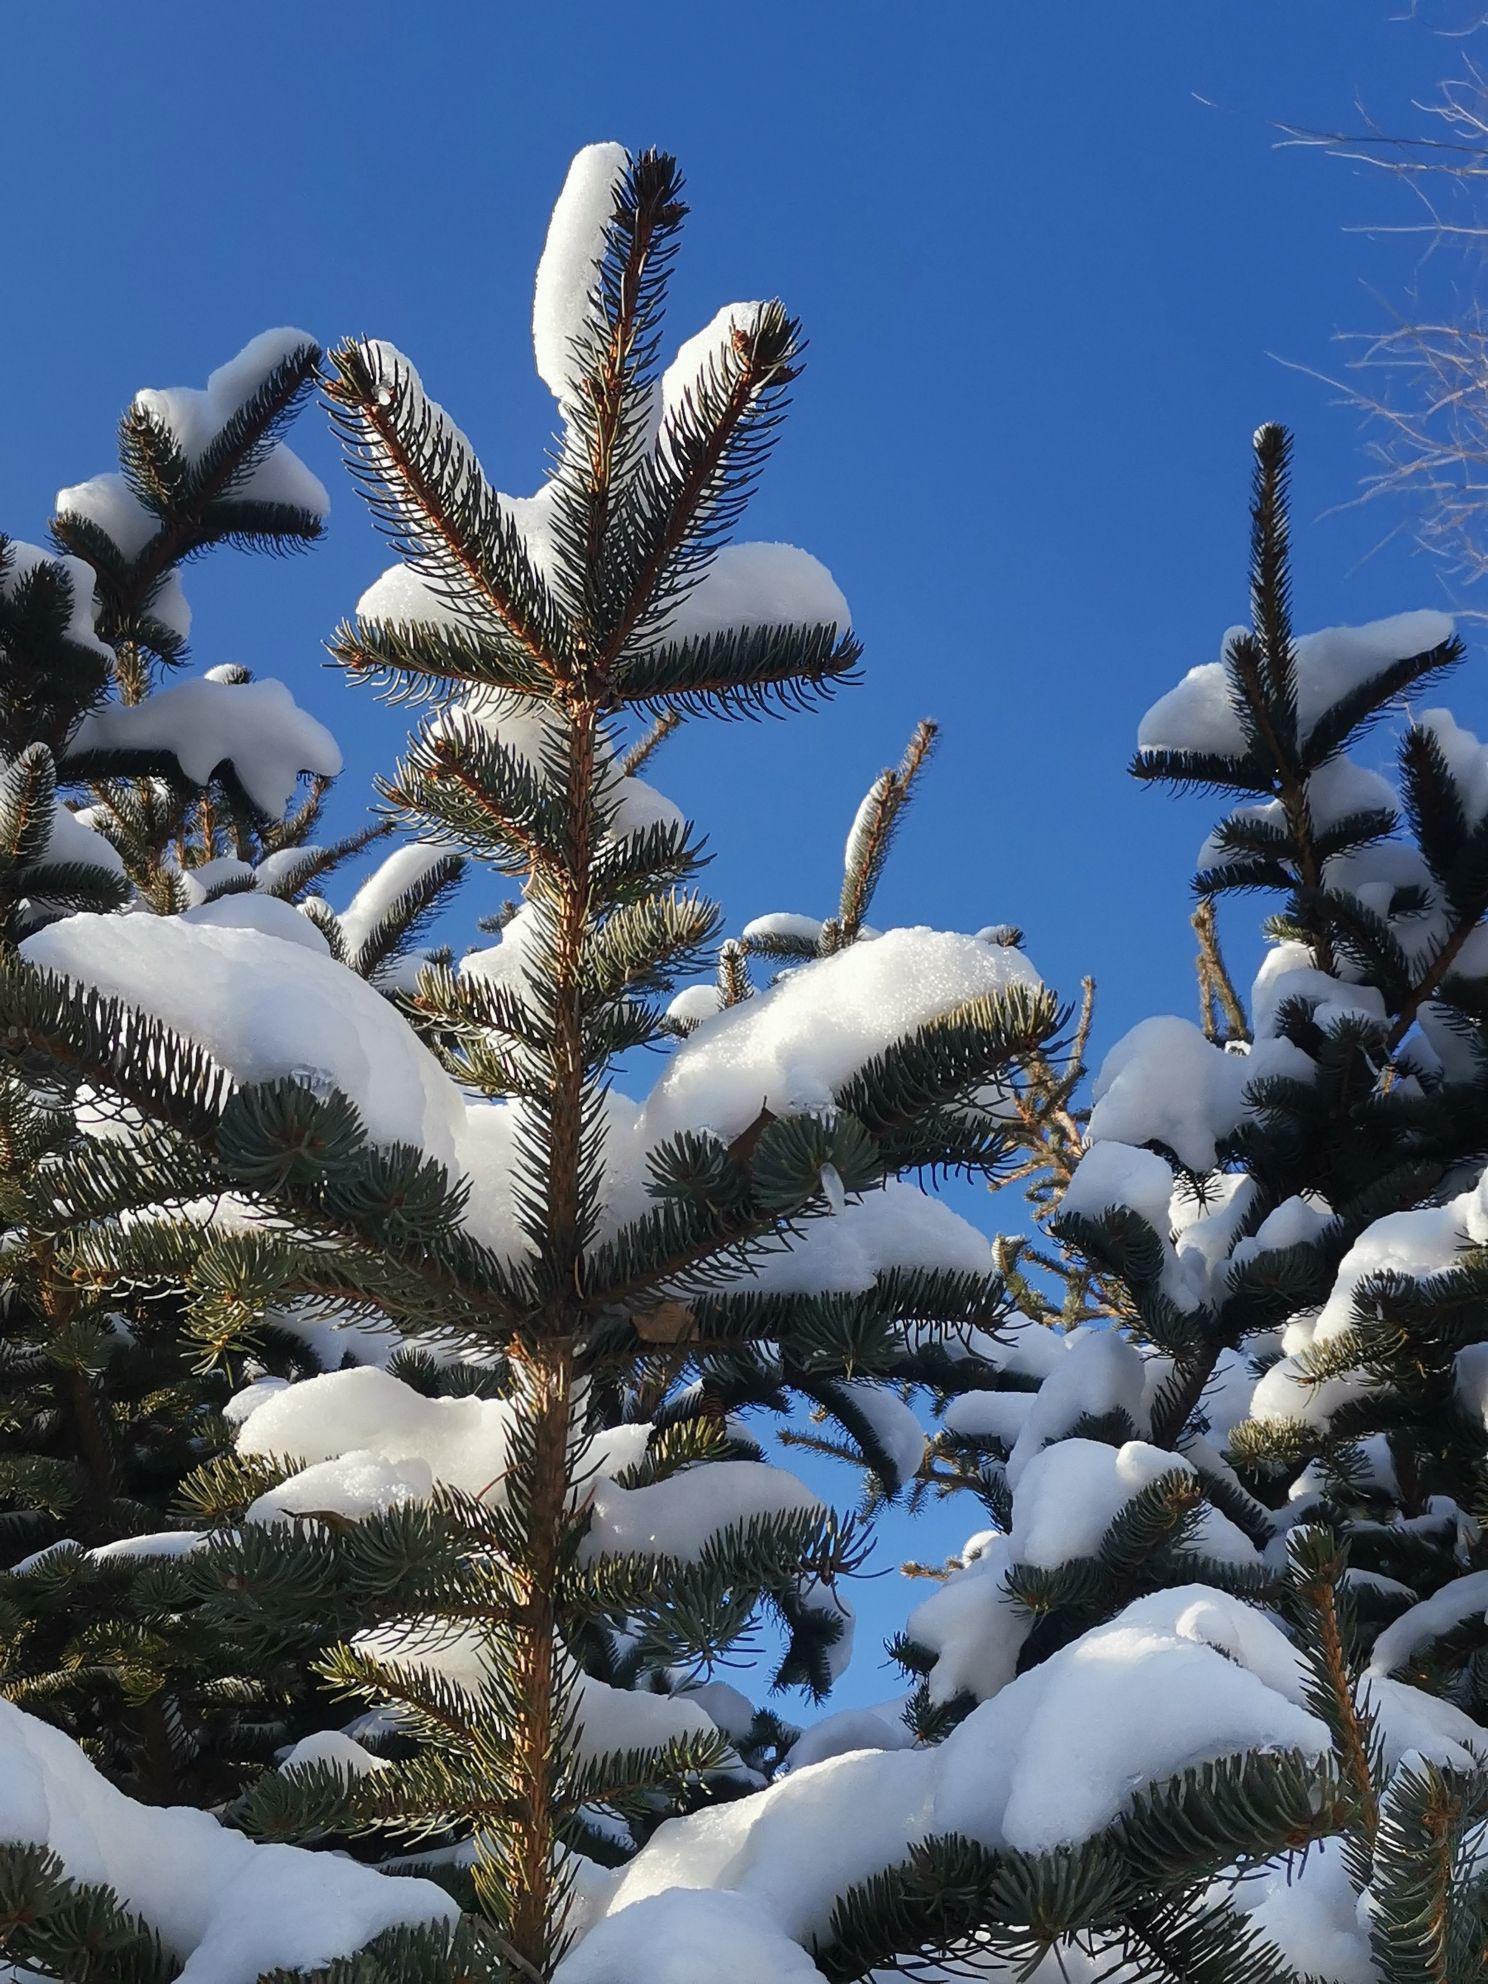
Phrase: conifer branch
x=496 y=571
x=1216 y=987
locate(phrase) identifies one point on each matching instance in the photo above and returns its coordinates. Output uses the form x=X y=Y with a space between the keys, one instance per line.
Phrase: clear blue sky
x=1046 y=254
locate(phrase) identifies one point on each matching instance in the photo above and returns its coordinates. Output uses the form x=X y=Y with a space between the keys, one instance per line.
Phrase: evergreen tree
x=1280 y=1211
x=523 y=1581
x=185 y=804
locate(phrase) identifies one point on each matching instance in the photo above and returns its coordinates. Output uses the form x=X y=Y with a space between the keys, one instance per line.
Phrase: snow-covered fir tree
x=137 y=785
x=523 y=1548
x=132 y=785
x=1276 y=1230
x=1201 y=1699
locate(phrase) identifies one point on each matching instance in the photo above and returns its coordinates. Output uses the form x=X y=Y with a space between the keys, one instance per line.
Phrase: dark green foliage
x=72 y=1931
x=109 y=1396
x=196 y=503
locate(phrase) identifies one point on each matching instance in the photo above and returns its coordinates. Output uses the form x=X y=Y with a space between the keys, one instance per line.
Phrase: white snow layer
x=229 y=1909
x=1199 y=715
x=759 y=585
x=250 y=981
x=972 y=1625
x=567 y=272
x=1120 y=1174
x=196 y=415
x=70 y=839
x=264 y=1008
x=680 y=1516
x=1070 y=1493
x=110 y=505
x=783 y=923
x=367 y=1414
x=1415 y=1245
x=1466 y=758
x=393 y=877
x=891 y=1422
x=256 y=727
x=790 y=1048
x=21 y=560
x=1464 y=1599
x=1287 y=972
x=1178 y=1679
x=894 y=1226
x=1164 y=1082
x=369 y=1441
x=680 y=1935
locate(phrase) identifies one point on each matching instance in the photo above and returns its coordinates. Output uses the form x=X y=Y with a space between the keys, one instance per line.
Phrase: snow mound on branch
x=759 y=585
x=1071 y=1492
x=487 y=1149
x=256 y=727
x=1179 y=1679
x=792 y=1849
x=1199 y=715
x=248 y=910
x=1197 y=1231
x=228 y=1908
x=110 y=505
x=988 y=1415
x=1414 y=1245
x=405 y=592
x=532 y=729
x=356 y=1415
x=895 y=1226
x=402 y=593
x=1164 y=1082
x=566 y=274
x=1287 y=972
x=1296 y=1222
x=793 y=1046
x=891 y=1422
x=694 y=1003
x=1466 y=759
x=680 y=1516
x=70 y=839
x=881 y=1728
x=1464 y=1599
x=1310 y=1912
x=606 y=1719
x=609 y=1720
x=783 y=924
x=393 y=877
x=23 y=559
x=1113 y=1173
x=972 y=1625
x=264 y=1008
x=697 y=358
x=377 y=1440
x=683 y=1934
x=1334 y=791
x=1099 y=1375
x=195 y=416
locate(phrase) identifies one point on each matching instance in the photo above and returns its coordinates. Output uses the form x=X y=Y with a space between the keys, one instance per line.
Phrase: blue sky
x=1048 y=256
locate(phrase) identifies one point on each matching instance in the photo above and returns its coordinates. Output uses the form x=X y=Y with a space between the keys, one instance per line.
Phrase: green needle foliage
x=104 y=1400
